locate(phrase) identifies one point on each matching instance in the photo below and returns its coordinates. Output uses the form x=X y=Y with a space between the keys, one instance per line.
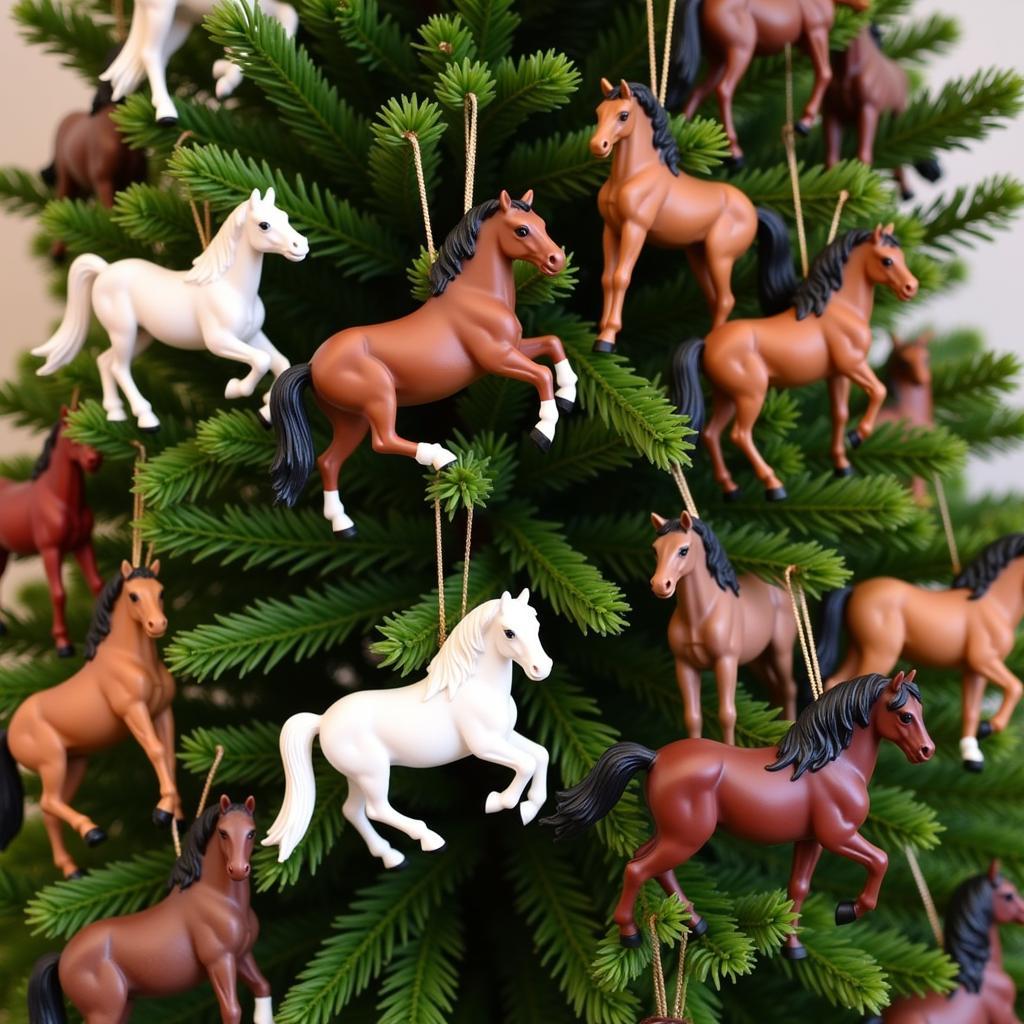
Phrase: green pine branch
x=23 y=192
x=376 y=39
x=492 y=23
x=971 y=215
x=80 y=40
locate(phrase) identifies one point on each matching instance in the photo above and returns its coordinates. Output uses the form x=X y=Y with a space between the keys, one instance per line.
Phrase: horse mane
x=99 y=628
x=216 y=259
x=188 y=868
x=460 y=243
x=455 y=662
x=715 y=558
x=826 y=273
x=825 y=728
x=43 y=462
x=984 y=570
x=968 y=922
x=664 y=141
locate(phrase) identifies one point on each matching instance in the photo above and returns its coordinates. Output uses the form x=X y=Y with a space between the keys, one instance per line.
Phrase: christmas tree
x=271 y=614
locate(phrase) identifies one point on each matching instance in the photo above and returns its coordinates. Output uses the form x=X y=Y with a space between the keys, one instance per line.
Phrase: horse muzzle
x=156 y=628
x=539 y=671
x=600 y=147
x=553 y=264
x=663 y=588
x=239 y=872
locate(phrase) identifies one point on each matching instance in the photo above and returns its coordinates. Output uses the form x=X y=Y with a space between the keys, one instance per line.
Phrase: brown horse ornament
x=122 y=690
x=204 y=928
x=721 y=621
x=695 y=786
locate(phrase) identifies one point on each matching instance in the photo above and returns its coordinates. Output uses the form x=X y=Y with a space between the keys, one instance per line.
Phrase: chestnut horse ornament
x=467 y=328
x=721 y=621
x=825 y=335
x=971 y=628
x=49 y=515
x=204 y=928
x=122 y=690
x=649 y=198
x=811 y=791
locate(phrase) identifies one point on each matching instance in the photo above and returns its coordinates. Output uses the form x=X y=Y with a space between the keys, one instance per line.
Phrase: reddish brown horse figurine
x=971 y=628
x=204 y=928
x=649 y=198
x=721 y=621
x=733 y=31
x=122 y=690
x=826 y=335
x=985 y=992
x=48 y=515
x=694 y=786
x=466 y=329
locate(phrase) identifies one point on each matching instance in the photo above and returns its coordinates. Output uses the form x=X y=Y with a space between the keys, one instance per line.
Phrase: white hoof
x=117 y=415
x=431 y=842
x=392 y=858
x=434 y=455
x=493 y=804
x=167 y=113
x=236 y=388
x=528 y=811
x=148 y=421
x=229 y=77
x=548 y=419
x=566 y=380
x=264 y=413
x=970 y=751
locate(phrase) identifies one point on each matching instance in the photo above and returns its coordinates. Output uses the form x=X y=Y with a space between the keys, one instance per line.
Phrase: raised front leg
x=52 y=559
x=817 y=49
x=856 y=848
x=631 y=244
x=806 y=853
x=864 y=377
x=249 y=972
x=491 y=746
x=138 y=720
x=223 y=978
x=538 y=793
x=550 y=345
x=224 y=344
x=507 y=361
x=839 y=397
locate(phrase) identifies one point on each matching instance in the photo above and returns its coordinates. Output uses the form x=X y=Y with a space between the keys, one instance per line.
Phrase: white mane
x=457 y=659
x=216 y=259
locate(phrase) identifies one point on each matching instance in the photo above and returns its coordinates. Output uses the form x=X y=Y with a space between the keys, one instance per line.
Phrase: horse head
x=236 y=833
x=885 y=264
x=522 y=235
x=144 y=594
x=911 y=360
x=1007 y=904
x=517 y=635
x=898 y=716
x=616 y=116
x=673 y=548
x=84 y=454
x=267 y=228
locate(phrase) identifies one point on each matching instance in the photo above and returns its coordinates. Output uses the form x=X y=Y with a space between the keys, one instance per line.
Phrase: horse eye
x=510 y=634
x=624 y=116
x=264 y=226
x=683 y=552
x=906 y=718
x=522 y=231
x=160 y=595
x=251 y=835
x=223 y=834
x=133 y=597
x=1008 y=896
x=888 y=261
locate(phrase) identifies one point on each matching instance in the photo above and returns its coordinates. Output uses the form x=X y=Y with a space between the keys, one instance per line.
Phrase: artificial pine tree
x=270 y=613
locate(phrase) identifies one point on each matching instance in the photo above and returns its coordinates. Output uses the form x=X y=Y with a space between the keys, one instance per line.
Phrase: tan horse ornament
x=123 y=689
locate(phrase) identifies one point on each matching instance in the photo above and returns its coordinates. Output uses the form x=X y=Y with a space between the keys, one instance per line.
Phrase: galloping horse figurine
x=693 y=786
x=204 y=927
x=215 y=305
x=648 y=197
x=466 y=329
x=721 y=621
x=123 y=689
x=826 y=335
x=970 y=627
x=985 y=993
x=159 y=28
x=463 y=706
x=732 y=32
x=49 y=515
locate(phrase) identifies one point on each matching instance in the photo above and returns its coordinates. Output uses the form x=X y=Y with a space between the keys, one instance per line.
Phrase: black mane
x=460 y=245
x=43 y=462
x=825 y=728
x=968 y=921
x=715 y=557
x=826 y=273
x=982 y=572
x=188 y=868
x=100 y=625
x=664 y=141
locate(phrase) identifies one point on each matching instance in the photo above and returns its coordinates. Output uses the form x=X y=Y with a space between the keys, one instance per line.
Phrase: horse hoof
x=75 y=875
x=906 y=195
x=399 y=866
x=65 y=650
x=985 y=730
x=182 y=826
x=604 y=347
x=347 y=534
x=631 y=941
x=564 y=405
x=154 y=429
x=803 y=127
x=265 y=421
x=162 y=819
x=735 y=163
x=167 y=122
x=974 y=766
x=775 y=494
x=541 y=440
x=699 y=928
x=842 y=471
x=855 y=439
x=95 y=836
x=846 y=912
x=797 y=952
x=734 y=495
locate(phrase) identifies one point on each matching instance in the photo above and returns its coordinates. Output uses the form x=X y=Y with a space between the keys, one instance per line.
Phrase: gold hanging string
x=218 y=756
x=76 y=393
x=442 y=625
x=469 y=111
x=417 y=159
x=651 y=53
x=204 y=225
x=789 y=140
x=947 y=524
x=680 y=999
x=466 y=555
x=138 y=505
x=175 y=836
x=804 y=630
x=926 y=896
x=684 y=490
x=660 y=995
x=837 y=216
x=120 y=23
x=667 y=55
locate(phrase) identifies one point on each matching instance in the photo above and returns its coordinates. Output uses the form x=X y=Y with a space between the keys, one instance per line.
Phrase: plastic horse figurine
x=123 y=689
x=867 y=84
x=826 y=335
x=720 y=621
x=985 y=992
x=215 y=305
x=693 y=786
x=203 y=927
x=732 y=32
x=463 y=706
x=48 y=514
x=466 y=329
x=159 y=28
x=647 y=197
x=969 y=627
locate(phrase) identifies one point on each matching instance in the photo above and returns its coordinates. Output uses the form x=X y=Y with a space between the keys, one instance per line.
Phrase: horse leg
x=223 y=974
x=864 y=377
x=716 y=68
x=688 y=679
x=723 y=408
x=159 y=15
x=86 y=558
x=806 y=853
x=249 y=971
x=725 y=679
x=748 y=408
x=973 y=693
x=53 y=774
x=163 y=722
x=141 y=726
x=111 y=396
x=610 y=246
x=538 y=792
x=354 y=809
x=223 y=343
x=491 y=746
x=4 y=555
x=631 y=244
x=833 y=131
x=779 y=661
x=52 y=559
x=550 y=345
x=278 y=364
x=507 y=361
x=737 y=61
x=349 y=430
x=900 y=174
x=817 y=48
x=671 y=887
x=839 y=396
x=696 y=256
x=375 y=789
x=720 y=264
x=868 y=129
x=64 y=862
x=853 y=846
x=996 y=671
x=125 y=343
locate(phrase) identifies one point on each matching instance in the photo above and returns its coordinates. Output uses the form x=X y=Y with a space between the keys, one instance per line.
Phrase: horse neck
x=1007 y=590
x=697 y=593
x=636 y=152
x=127 y=635
x=246 y=268
x=995 y=949
x=862 y=753
x=493 y=670
x=63 y=476
x=489 y=270
x=858 y=290
x=215 y=876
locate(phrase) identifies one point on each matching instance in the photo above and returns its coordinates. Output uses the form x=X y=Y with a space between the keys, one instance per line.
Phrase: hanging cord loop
x=926 y=897
x=661 y=1007
x=684 y=490
x=469 y=110
x=804 y=631
x=421 y=184
x=138 y=505
x=218 y=756
x=789 y=141
x=660 y=89
x=837 y=216
x=947 y=524
x=204 y=225
x=442 y=625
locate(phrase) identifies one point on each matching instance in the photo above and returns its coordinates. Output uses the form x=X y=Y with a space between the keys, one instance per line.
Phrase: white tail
x=299 y=784
x=70 y=336
x=126 y=70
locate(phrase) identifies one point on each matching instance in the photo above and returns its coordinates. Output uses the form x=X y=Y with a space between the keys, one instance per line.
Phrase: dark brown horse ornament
x=693 y=786
x=204 y=928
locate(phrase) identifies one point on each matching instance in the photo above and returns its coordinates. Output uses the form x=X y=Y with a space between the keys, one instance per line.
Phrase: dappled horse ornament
x=811 y=791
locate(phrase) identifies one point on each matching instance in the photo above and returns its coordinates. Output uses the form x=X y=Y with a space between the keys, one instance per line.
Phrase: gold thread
x=789 y=140
x=834 y=229
x=667 y=55
x=660 y=999
x=138 y=505
x=684 y=490
x=926 y=897
x=467 y=554
x=947 y=524
x=417 y=159
x=203 y=225
x=469 y=111
x=442 y=626
x=175 y=838
x=804 y=631
x=681 y=979
x=218 y=756
x=651 y=52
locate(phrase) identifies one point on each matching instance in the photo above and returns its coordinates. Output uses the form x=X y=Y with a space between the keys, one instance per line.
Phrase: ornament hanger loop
x=804 y=630
x=417 y=159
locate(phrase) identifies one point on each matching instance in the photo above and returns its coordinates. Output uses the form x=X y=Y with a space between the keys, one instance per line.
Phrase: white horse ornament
x=159 y=28
x=215 y=305
x=464 y=706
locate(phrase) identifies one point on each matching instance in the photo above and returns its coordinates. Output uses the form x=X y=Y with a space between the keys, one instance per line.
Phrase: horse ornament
x=215 y=305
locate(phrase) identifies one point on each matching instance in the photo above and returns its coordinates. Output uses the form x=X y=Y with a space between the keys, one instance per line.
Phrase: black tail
x=687 y=393
x=686 y=62
x=830 y=628
x=12 y=795
x=45 y=997
x=778 y=281
x=49 y=174
x=590 y=800
x=930 y=169
x=295 y=455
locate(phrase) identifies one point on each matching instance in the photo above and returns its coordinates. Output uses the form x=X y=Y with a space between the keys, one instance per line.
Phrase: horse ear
x=910 y=676
x=154 y=567
x=126 y=568
x=270 y=197
x=889 y=228
x=685 y=521
x=877 y=236
x=607 y=88
x=524 y=596
x=527 y=197
x=993 y=871
x=225 y=803
x=897 y=682
x=250 y=804
x=657 y=521
x=926 y=338
x=505 y=200
x=506 y=600
x=254 y=198
x=625 y=91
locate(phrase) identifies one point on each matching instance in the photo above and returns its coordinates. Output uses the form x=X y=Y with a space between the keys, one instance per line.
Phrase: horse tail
x=295 y=455
x=778 y=282
x=45 y=996
x=12 y=795
x=49 y=174
x=299 y=784
x=590 y=800
x=687 y=53
x=687 y=393
x=126 y=71
x=830 y=627
x=74 y=328
x=930 y=169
